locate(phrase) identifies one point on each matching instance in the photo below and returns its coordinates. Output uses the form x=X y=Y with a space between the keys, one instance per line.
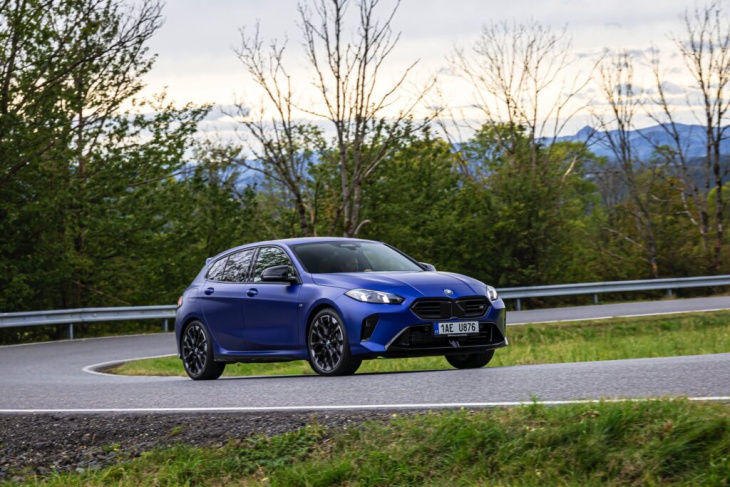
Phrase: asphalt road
x=57 y=377
x=602 y=311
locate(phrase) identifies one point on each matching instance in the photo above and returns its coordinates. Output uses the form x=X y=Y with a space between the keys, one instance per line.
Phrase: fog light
x=368 y=326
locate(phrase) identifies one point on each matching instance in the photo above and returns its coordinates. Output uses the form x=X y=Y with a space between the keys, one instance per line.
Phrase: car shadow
x=315 y=376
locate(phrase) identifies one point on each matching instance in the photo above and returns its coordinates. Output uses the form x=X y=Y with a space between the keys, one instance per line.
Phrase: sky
x=197 y=63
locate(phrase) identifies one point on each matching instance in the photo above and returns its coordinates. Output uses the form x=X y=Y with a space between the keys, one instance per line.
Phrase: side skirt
x=252 y=358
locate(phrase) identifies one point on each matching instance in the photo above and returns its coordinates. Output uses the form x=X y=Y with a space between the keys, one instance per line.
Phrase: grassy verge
x=654 y=336
x=646 y=443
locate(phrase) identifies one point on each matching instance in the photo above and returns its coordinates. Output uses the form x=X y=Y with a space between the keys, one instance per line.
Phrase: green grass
x=630 y=443
x=656 y=336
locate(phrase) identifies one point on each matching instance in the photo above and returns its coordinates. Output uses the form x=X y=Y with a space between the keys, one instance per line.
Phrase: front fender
x=323 y=302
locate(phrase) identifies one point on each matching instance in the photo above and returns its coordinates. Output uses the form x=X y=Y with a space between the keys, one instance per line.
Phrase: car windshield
x=346 y=256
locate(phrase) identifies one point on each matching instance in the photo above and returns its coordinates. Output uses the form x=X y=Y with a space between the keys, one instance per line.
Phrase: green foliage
x=622 y=247
x=532 y=445
x=507 y=215
x=85 y=215
x=540 y=202
x=413 y=201
x=649 y=443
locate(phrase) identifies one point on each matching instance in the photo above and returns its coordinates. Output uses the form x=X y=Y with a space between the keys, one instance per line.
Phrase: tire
x=197 y=353
x=470 y=360
x=327 y=345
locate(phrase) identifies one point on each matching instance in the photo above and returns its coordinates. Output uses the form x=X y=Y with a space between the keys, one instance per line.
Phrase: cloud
x=672 y=88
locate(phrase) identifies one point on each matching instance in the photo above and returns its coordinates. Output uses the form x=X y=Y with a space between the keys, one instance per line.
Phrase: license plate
x=456 y=328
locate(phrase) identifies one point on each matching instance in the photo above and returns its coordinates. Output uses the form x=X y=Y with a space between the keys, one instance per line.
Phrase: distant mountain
x=644 y=141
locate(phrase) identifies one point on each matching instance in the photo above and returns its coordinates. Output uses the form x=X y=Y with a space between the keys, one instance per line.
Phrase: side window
x=269 y=257
x=215 y=272
x=237 y=268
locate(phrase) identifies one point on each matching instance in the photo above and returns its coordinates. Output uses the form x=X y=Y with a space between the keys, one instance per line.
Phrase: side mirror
x=427 y=267
x=279 y=273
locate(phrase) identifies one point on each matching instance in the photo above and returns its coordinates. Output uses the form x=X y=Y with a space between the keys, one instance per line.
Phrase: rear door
x=223 y=298
x=271 y=309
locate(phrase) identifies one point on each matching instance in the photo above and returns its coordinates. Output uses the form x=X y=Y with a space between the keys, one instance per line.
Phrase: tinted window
x=349 y=256
x=215 y=272
x=237 y=268
x=269 y=257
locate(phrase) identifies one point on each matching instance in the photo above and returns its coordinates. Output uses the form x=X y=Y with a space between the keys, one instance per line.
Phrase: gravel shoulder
x=40 y=444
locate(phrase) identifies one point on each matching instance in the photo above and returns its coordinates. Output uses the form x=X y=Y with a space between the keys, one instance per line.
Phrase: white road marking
x=91 y=369
x=451 y=405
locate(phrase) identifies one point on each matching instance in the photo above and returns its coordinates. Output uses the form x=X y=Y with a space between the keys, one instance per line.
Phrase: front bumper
x=401 y=333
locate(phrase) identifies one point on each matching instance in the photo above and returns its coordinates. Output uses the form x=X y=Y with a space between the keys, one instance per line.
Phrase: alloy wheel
x=327 y=342
x=195 y=349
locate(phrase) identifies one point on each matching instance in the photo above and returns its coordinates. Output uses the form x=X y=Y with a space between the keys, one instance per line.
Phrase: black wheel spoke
x=326 y=342
x=195 y=349
x=196 y=353
x=319 y=335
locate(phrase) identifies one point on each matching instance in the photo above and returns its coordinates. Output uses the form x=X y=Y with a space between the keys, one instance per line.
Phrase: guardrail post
x=669 y=293
x=164 y=325
x=70 y=331
x=595 y=298
x=518 y=305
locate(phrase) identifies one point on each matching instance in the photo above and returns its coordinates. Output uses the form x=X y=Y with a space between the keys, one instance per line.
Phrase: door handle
x=209 y=291
x=252 y=292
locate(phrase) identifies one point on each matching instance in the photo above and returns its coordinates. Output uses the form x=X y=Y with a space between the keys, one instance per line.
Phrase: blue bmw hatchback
x=333 y=302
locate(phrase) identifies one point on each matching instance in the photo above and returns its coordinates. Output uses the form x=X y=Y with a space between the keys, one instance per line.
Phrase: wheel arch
x=189 y=319
x=316 y=308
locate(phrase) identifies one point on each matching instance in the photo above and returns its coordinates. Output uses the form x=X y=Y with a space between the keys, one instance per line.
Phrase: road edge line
x=92 y=369
x=364 y=407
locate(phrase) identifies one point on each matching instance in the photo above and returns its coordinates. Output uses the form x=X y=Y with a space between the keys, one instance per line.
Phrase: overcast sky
x=196 y=61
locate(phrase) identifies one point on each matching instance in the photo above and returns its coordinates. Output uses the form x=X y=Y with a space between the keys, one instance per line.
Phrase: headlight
x=368 y=296
x=492 y=293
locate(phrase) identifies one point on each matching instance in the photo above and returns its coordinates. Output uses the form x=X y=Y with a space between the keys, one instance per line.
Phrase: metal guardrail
x=88 y=315
x=167 y=312
x=596 y=288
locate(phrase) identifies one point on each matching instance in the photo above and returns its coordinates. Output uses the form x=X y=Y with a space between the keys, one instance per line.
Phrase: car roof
x=288 y=242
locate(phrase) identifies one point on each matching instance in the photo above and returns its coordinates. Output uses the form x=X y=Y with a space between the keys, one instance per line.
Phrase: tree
x=623 y=102
x=704 y=46
x=66 y=59
x=282 y=148
x=518 y=74
x=354 y=99
x=414 y=204
x=94 y=171
x=536 y=217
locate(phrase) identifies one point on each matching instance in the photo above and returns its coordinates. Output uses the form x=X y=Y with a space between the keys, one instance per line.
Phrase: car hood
x=415 y=284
